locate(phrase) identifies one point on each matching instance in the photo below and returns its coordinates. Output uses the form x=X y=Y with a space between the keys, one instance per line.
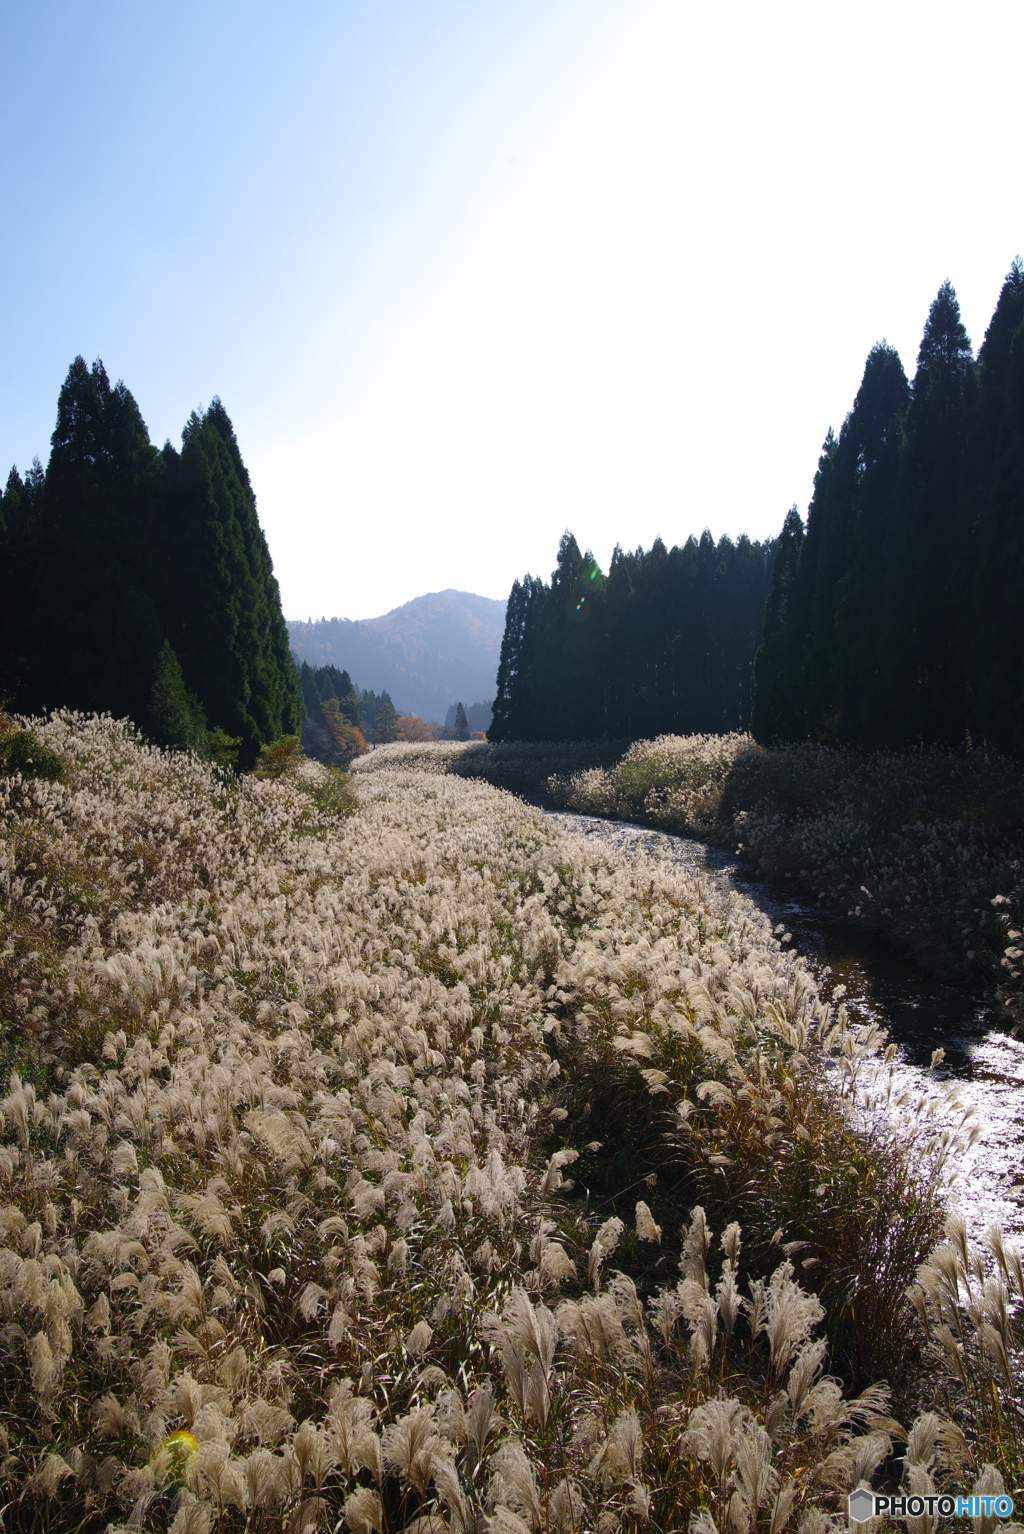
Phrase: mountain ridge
x=435 y=650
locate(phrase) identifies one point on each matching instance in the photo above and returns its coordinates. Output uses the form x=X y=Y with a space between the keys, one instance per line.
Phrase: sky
x=467 y=273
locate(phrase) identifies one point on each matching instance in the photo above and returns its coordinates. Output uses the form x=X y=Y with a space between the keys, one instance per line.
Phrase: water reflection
x=920 y=1014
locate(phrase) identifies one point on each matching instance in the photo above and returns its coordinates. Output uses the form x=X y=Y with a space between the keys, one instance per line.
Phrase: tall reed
x=286 y=1231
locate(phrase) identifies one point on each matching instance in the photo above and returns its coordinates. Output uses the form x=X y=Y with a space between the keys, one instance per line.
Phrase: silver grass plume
x=409 y=1447
x=514 y=1482
x=605 y=1242
x=703 y=1523
x=418 y=1340
x=452 y=1495
x=618 y=1459
x=363 y=1511
x=646 y=1228
x=989 y=1483
x=481 y=1419
x=51 y=1472
x=566 y=1506
x=710 y=1432
x=756 y=1476
x=695 y=1248
x=192 y=1517
x=791 y=1313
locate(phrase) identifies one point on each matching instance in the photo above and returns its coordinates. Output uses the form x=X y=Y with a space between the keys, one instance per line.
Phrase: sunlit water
x=920 y=1014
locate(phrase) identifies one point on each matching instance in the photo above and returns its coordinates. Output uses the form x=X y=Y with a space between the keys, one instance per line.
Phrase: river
x=920 y=1014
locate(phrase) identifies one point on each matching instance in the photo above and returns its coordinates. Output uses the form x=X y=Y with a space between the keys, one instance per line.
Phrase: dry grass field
x=425 y=1168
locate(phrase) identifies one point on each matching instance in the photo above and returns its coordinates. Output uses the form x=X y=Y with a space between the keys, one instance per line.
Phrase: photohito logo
x=864 y=1504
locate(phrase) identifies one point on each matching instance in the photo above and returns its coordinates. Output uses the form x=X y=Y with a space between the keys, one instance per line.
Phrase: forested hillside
x=429 y=653
x=138 y=581
x=898 y=616
x=664 y=642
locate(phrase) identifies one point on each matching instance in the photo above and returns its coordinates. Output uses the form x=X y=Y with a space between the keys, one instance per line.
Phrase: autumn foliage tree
x=408 y=727
x=347 y=738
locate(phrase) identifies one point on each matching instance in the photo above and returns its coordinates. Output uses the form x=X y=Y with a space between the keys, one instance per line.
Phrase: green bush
x=279 y=757
x=23 y=754
x=221 y=748
x=334 y=794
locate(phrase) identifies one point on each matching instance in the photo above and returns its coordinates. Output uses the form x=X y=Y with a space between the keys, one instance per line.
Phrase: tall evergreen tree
x=926 y=638
x=809 y=662
x=175 y=718
x=330 y=713
x=92 y=549
x=778 y=712
x=385 y=725
x=749 y=582
x=559 y=646
x=126 y=563
x=615 y=709
x=9 y=498
x=871 y=446
x=664 y=644
x=512 y=704
x=831 y=662
x=997 y=607
x=905 y=622
x=224 y=609
x=19 y=610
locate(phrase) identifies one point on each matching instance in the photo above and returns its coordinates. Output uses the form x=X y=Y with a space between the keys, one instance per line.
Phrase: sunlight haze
x=466 y=274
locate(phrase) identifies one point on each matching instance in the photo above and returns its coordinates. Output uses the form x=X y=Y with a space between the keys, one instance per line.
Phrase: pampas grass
x=287 y=1230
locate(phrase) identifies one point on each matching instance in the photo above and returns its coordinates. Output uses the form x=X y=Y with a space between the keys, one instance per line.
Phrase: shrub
x=280 y=757
x=24 y=754
x=334 y=793
x=221 y=748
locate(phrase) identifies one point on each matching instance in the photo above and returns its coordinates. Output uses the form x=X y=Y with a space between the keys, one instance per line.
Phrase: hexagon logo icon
x=861 y=1504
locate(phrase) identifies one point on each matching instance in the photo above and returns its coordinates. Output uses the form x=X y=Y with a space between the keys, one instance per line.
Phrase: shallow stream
x=920 y=1014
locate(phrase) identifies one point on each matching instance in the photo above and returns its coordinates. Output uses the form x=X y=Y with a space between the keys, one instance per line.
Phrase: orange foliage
x=349 y=740
x=411 y=728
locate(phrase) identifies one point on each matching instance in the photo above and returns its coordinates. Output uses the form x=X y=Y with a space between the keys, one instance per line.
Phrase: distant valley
x=437 y=650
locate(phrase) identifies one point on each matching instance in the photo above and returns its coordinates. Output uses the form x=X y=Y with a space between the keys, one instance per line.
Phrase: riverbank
x=919 y=1012
x=521 y=767
x=290 y=1233
x=925 y=848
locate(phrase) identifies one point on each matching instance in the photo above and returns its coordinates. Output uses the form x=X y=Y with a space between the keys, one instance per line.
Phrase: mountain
x=438 y=649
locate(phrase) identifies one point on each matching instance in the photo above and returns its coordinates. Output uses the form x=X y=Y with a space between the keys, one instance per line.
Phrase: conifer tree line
x=897 y=614
x=138 y=580
x=664 y=643
x=378 y=716
x=474 y=717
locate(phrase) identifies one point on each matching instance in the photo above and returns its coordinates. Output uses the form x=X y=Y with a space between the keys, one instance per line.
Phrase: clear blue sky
x=465 y=274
